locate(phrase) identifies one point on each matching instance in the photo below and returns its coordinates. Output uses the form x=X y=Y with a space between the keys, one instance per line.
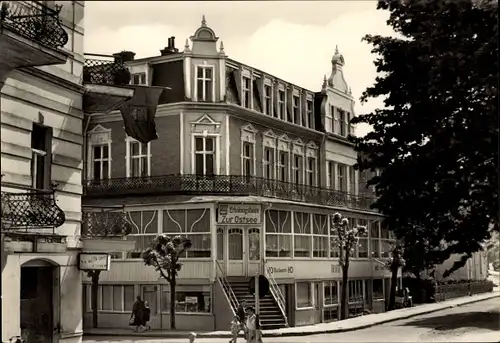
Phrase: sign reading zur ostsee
x=93 y=261
x=239 y=214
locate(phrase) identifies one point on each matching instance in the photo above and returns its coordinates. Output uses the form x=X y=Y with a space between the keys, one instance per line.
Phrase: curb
x=298 y=333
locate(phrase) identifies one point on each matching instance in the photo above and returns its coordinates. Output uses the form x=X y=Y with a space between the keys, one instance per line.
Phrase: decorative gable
x=312 y=150
x=206 y=124
x=270 y=133
x=298 y=147
x=99 y=135
x=284 y=143
x=248 y=133
x=269 y=139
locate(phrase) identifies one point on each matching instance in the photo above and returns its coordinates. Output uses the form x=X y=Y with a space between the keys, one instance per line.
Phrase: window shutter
x=237 y=81
x=289 y=104
x=259 y=91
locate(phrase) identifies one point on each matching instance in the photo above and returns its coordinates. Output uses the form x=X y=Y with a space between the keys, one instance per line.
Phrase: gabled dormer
x=204 y=66
x=335 y=101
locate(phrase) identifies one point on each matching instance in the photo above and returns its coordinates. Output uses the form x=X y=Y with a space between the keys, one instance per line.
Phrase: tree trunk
x=394 y=282
x=344 y=303
x=94 y=290
x=172 y=300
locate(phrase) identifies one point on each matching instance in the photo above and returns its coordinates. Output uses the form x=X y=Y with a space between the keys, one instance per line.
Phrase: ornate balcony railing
x=34 y=21
x=105 y=224
x=105 y=72
x=224 y=185
x=30 y=210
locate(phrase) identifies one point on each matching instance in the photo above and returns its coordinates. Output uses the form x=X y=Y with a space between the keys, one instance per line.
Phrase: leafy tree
x=163 y=254
x=396 y=261
x=344 y=240
x=435 y=142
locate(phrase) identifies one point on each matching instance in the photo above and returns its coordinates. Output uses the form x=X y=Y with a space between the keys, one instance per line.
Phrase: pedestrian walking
x=235 y=329
x=251 y=325
x=137 y=316
x=147 y=315
x=241 y=312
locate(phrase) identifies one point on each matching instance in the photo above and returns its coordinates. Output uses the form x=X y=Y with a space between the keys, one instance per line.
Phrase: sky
x=292 y=40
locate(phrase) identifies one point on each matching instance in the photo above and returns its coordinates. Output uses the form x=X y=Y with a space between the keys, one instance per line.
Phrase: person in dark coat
x=137 y=317
x=147 y=316
x=241 y=313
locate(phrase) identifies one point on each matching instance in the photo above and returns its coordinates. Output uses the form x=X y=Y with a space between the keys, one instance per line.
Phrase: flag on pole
x=139 y=113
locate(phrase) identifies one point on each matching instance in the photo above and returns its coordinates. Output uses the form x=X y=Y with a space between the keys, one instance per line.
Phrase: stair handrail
x=227 y=289
x=275 y=291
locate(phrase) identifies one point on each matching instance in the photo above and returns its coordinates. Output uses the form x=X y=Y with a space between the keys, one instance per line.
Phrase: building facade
x=43 y=104
x=249 y=167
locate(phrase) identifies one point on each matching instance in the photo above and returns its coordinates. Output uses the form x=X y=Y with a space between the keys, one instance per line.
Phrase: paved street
x=478 y=322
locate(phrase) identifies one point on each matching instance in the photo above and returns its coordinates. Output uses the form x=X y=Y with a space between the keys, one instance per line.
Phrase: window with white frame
x=268 y=109
x=139 y=79
x=363 y=240
x=341 y=184
x=321 y=239
x=310 y=115
x=336 y=118
x=330 y=293
x=204 y=83
x=343 y=123
x=375 y=238
x=193 y=224
x=247 y=92
x=354 y=251
x=385 y=242
x=297 y=169
x=296 y=109
x=248 y=158
x=204 y=159
x=304 y=296
x=352 y=179
x=355 y=291
x=138 y=158
x=329 y=120
x=330 y=174
x=100 y=162
x=302 y=234
x=268 y=163
x=311 y=171
x=283 y=166
x=114 y=298
x=144 y=230
x=278 y=233
x=351 y=126
x=281 y=105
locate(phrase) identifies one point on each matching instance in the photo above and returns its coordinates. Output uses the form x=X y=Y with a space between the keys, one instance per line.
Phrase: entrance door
x=252 y=246
x=37 y=306
x=236 y=253
x=150 y=295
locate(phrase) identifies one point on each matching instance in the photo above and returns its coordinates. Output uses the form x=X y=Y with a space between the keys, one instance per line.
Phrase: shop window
x=303 y=293
x=115 y=298
x=302 y=234
x=378 y=289
x=278 y=233
x=355 y=290
x=320 y=235
x=188 y=301
x=330 y=293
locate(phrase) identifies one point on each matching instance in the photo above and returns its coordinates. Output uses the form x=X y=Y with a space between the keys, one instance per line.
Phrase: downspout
x=84 y=147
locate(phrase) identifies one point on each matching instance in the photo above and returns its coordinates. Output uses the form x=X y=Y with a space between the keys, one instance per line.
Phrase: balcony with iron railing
x=233 y=185
x=104 y=229
x=105 y=79
x=31 y=34
x=29 y=220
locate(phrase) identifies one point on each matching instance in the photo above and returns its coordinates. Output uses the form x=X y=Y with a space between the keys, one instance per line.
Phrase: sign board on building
x=277 y=270
x=94 y=261
x=336 y=269
x=239 y=214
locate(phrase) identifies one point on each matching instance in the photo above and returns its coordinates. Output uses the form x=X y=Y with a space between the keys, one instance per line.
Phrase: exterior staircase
x=270 y=313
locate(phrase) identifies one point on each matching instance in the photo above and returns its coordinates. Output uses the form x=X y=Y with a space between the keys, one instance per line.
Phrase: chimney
x=124 y=56
x=170 y=49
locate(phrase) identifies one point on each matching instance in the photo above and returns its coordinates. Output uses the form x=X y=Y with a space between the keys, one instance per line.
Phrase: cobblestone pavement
x=477 y=322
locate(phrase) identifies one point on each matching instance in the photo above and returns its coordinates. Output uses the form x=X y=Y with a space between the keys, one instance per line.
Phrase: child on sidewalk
x=235 y=329
x=192 y=337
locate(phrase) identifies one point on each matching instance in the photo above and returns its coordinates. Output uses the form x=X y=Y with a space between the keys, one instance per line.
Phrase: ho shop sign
x=239 y=214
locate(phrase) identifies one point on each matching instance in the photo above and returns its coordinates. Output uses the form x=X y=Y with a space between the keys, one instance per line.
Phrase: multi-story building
x=42 y=104
x=251 y=168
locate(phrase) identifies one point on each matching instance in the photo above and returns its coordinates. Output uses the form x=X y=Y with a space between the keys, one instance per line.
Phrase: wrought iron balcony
x=30 y=210
x=105 y=224
x=223 y=185
x=105 y=72
x=34 y=21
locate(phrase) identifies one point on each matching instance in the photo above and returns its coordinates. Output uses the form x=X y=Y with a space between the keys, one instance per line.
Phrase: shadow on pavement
x=479 y=320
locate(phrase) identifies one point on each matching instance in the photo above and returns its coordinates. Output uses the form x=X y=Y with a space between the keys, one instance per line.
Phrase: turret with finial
x=186 y=46
x=221 y=50
x=203 y=21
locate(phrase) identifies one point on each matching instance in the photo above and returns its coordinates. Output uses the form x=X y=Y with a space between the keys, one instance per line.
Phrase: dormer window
x=267 y=99
x=246 y=92
x=343 y=123
x=329 y=120
x=139 y=79
x=310 y=119
x=204 y=84
x=281 y=104
x=296 y=109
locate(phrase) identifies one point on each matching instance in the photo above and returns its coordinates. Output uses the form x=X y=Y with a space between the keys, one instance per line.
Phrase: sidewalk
x=352 y=324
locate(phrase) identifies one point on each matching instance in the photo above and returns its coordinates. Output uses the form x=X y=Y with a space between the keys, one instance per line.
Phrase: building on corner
x=251 y=168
